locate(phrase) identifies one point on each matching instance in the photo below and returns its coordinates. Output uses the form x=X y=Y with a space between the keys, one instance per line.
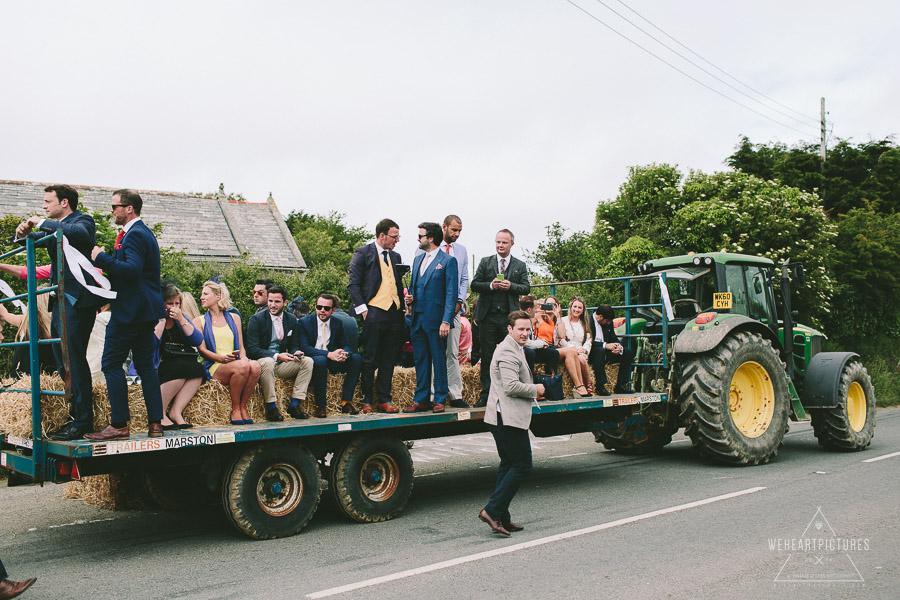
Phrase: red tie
x=447 y=249
x=119 y=237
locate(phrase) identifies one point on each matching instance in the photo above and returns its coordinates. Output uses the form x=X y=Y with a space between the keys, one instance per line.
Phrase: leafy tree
x=326 y=239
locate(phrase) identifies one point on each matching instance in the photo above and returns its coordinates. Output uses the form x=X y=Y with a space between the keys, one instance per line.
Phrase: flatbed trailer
x=270 y=476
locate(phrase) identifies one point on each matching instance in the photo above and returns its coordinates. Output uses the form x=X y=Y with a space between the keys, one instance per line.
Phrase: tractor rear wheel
x=735 y=399
x=850 y=425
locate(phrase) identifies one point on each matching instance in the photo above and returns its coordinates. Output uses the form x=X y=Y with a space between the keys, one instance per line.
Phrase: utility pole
x=823 y=131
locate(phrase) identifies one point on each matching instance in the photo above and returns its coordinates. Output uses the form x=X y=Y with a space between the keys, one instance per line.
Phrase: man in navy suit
x=606 y=348
x=376 y=291
x=272 y=341
x=61 y=210
x=322 y=338
x=433 y=291
x=133 y=269
x=451 y=228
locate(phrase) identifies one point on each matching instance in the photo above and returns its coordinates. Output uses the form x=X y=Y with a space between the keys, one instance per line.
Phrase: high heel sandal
x=578 y=394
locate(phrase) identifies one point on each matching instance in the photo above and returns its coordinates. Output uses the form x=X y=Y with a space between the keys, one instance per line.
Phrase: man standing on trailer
x=61 y=212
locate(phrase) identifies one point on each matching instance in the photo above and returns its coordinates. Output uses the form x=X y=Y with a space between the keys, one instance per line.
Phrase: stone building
x=206 y=227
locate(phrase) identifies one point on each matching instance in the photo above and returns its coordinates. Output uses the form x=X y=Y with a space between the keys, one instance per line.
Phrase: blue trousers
x=322 y=365
x=544 y=356
x=514 y=448
x=139 y=338
x=79 y=322
x=430 y=355
x=3 y=573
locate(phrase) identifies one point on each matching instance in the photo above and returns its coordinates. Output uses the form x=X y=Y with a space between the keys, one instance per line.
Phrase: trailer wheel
x=372 y=478
x=272 y=491
x=850 y=425
x=735 y=399
x=636 y=439
x=178 y=489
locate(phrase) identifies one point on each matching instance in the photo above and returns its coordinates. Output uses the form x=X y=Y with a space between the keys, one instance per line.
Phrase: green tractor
x=712 y=337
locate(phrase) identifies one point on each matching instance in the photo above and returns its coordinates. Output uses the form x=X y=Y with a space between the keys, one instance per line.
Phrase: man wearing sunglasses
x=322 y=339
x=261 y=294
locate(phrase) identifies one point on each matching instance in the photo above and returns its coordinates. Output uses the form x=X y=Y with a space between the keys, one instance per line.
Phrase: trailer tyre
x=272 y=491
x=637 y=439
x=850 y=425
x=735 y=399
x=372 y=478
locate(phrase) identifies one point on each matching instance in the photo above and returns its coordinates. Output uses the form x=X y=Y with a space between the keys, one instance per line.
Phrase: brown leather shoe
x=367 y=409
x=494 y=524
x=11 y=589
x=154 y=430
x=349 y=409
x=438 y=408
x=108 y=434
x=321 y=412
x=417 y=407
x=387 y=407
x=510 y=526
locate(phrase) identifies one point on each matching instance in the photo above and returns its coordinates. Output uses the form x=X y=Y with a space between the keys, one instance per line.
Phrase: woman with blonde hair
x=575 y=332
x=545 y=328
x=223 y=349
x=21 y=363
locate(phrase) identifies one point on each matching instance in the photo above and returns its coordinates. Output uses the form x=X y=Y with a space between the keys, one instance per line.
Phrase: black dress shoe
x=459 y=404
x=349 y=409
x=601 y=391
x=68 y=433
x=623 y=389
x=295 y=412
x=273 y=414
x=481 y=404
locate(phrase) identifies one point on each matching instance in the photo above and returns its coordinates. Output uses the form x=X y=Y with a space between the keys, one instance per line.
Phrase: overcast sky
x=512 y=113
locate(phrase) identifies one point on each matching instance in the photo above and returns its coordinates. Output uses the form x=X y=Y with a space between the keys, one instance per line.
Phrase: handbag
x=553 y=387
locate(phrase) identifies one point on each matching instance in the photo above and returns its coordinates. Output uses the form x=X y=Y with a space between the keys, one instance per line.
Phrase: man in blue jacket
x=133 y=269
x=322 y=338
x=61 y=212
x=433 y=293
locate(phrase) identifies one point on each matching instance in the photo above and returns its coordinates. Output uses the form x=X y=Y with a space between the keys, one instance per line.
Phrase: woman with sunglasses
x=545 y=328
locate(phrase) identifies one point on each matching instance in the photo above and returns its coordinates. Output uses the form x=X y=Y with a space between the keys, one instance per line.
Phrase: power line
x=805 y=116
x=689 y=76
x=713 y=75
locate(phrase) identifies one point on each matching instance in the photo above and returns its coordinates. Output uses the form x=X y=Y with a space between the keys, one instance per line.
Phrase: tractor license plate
x=722 y=301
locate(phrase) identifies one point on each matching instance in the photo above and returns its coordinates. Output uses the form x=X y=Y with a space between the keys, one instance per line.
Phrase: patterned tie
x=384 y=254
x=279 y=330
x=324 y=336
x=502 y=265
x=119 y=237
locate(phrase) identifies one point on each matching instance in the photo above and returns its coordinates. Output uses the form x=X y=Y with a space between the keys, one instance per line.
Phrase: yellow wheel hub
x=752 y=399
x=856 y=406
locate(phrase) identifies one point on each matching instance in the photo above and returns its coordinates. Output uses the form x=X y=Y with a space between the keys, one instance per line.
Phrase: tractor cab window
x=734 y=283
x=757 y=289
x=690 y=291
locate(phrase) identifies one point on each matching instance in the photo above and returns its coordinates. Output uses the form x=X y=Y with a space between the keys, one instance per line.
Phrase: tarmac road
x=598 y=524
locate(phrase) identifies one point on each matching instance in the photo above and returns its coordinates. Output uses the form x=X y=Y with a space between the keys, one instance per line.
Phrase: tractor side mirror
x=795 y=315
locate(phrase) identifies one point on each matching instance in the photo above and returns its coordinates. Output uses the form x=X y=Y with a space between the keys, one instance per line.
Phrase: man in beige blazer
x=508 y=415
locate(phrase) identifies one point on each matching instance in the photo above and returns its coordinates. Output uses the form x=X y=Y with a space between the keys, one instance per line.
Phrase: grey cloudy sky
x=509 y=113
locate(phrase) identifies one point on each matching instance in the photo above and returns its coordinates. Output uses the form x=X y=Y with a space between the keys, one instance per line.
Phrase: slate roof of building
x=207 y=227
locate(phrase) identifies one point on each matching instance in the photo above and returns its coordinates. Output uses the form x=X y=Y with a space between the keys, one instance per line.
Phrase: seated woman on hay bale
x=180 y=371
x=545 y=327
x=223 y=348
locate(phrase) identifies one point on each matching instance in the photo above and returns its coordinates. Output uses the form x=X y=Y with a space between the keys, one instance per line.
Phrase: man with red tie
x=133 y=269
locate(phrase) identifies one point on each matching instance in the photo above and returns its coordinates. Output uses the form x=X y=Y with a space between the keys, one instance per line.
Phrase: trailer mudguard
x=698 y=341
x=823 y=379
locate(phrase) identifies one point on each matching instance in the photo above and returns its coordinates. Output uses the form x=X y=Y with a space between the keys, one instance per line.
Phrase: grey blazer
x=511 y=385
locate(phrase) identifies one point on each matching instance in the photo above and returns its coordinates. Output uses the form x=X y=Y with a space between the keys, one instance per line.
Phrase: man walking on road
x=508 y=416
x=133 y=269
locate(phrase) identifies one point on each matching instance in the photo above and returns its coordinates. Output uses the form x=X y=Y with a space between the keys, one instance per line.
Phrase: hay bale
x=116 y=491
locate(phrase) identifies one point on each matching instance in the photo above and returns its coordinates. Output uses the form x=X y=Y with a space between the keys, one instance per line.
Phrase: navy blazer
x=81 y=232
x=609 y=333
x=516 y=274
x=435 y=292
x=365 y=275
x=308 y=333
x=259 y=334
x=133 y=271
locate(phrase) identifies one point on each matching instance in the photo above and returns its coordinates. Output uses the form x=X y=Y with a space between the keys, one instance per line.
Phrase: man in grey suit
x=508 y=416
x=499 y=281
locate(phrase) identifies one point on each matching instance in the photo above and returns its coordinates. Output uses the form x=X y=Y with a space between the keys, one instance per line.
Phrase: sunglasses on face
x=325 y=308
x=259 y=292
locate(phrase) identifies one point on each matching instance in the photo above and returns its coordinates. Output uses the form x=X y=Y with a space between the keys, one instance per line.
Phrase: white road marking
x=525 y=545
x=78 y=522
x=427 y=475
x=567 y=455
x=891 y=455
